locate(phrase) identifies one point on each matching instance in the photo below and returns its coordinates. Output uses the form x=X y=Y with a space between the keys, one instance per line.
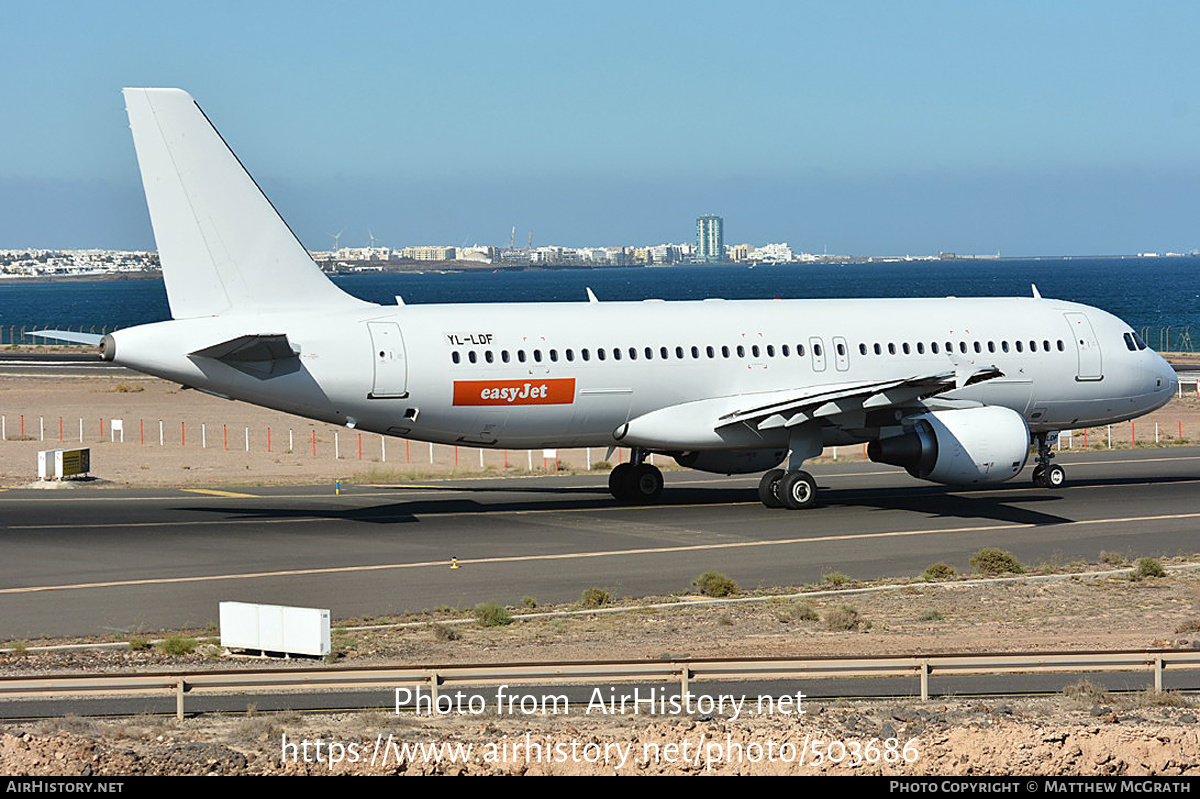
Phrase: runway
x=92 y=561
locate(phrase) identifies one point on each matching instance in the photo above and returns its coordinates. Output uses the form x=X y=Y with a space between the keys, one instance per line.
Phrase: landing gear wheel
x=798 y=490
x=1039 y=476
x=645 y=483
x=619 y=480
x=1055 y=476
x=635 y=483
x=768 y=488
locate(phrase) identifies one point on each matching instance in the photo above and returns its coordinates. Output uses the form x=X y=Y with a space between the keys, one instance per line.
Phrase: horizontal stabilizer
x=66 y=335
x=250 y=349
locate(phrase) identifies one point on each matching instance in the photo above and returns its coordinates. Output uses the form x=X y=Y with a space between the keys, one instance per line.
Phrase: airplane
x=953 y=390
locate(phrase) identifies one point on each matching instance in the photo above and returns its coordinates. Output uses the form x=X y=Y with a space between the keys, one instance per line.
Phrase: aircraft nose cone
x=1170 y=379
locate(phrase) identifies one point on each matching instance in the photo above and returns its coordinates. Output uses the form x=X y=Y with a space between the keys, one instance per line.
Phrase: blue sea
x=1151 y=294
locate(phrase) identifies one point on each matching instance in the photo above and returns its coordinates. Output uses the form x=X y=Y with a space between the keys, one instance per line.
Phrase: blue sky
x=860 y=127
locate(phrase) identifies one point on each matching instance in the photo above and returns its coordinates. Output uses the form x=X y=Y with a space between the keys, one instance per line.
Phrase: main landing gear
x=636 y=481
x=793 y=490
x=1047 y=474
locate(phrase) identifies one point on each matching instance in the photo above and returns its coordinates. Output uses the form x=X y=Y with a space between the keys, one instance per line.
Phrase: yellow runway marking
x=214 y=492
x=583 y=555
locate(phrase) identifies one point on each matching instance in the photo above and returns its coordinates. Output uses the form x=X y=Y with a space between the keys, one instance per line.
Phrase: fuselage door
x=391 y=365
x=1090 y=365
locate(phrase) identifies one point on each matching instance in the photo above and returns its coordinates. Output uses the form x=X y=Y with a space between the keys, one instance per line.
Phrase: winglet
x=592 y=296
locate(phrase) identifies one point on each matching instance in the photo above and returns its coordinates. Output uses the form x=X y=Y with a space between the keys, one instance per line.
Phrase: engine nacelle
x=725 y=461
x=970 y=446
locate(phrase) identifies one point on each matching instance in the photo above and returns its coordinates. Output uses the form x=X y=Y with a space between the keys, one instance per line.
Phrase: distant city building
x=710 y=239
x=429 y=253
x=773 y=254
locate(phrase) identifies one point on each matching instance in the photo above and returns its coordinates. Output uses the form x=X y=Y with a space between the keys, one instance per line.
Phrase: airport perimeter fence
x=368 y=450
x=1162 y=339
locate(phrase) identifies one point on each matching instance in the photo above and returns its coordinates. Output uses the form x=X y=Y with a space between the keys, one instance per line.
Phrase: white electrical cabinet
x=275 y=628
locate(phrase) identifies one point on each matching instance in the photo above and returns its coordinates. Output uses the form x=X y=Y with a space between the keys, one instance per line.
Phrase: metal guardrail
x=684 y=672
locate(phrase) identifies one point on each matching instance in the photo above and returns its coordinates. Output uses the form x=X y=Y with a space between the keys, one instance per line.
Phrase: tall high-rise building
x=710 y=239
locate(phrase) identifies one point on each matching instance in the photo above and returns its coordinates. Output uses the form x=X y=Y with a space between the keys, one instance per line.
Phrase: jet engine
x=969 y=446
x=725 y=461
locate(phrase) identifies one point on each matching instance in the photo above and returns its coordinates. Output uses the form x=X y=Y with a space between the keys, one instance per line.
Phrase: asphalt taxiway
x=97 y=560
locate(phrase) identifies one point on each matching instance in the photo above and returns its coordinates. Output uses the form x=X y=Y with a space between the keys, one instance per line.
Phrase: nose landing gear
x=1047 y=474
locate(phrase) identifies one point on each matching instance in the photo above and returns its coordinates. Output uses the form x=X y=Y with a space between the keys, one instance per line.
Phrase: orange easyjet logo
x=515 y=392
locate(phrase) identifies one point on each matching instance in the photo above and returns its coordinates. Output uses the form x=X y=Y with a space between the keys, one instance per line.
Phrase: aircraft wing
x=810 y=404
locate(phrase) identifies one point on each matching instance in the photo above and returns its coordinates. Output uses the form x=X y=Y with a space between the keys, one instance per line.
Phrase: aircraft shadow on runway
x=996 y=504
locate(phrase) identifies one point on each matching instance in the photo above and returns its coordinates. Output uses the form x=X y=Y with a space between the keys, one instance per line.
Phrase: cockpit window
x=1129 y=343
x=1141 y=345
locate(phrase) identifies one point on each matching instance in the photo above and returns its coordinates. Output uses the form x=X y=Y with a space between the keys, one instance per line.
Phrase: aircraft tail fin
x=223 y=246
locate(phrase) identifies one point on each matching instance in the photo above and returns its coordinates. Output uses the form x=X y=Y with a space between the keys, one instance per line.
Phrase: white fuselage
x=573 y=374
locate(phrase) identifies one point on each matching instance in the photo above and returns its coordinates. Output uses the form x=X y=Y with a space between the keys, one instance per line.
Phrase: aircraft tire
x=645 y=483
x=1039 y=476
x=619 y=481
x=798 y=490
x=768 y=488
x=1054 y=476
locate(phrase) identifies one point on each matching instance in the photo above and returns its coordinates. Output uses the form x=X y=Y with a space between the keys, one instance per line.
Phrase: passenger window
x=799 y=350
x=454 y=357
x=570 y=354
x=934 y=348
x=920 y=348
x=679 y=353
x=784 y=350
x=741 y=351
x=554 y=355
x=600 y=356
x=616 y=353
x=633 y=353
x=754 y=350
x=905 y=347
x=862 y=349
x=471 y=356
x=521 y=356
x=711 y=352
x=891 y=348
x=585 y=354
x=504 y=356
x=991 y=346
x=1061 y=346
x=537 y=355
x=487 y=356
x=770 y=350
